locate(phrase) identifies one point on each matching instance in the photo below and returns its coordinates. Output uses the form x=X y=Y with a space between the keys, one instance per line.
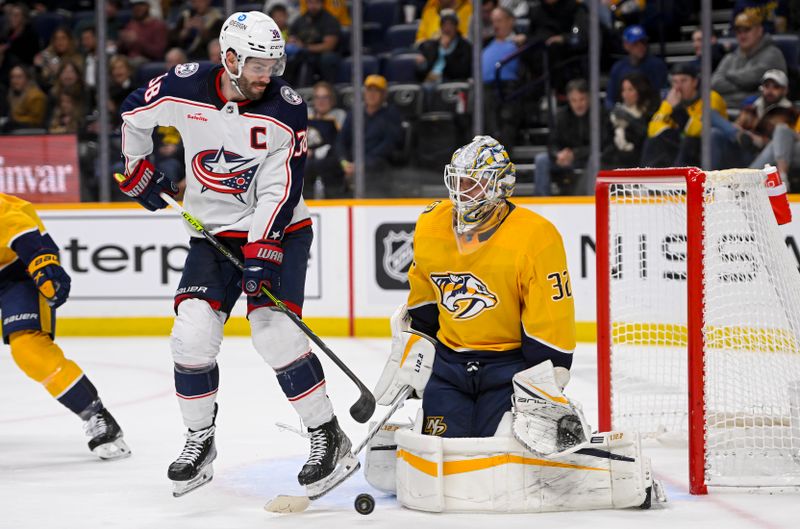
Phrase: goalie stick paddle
x=364 y=407
x=286 y=504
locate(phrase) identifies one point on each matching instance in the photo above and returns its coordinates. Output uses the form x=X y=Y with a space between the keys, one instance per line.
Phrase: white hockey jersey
x=244 y=160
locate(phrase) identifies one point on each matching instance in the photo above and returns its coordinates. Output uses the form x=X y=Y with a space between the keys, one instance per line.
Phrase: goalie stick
x=364 y=407
x=290 y=504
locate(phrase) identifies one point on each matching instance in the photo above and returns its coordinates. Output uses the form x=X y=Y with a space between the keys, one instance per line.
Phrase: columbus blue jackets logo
x=463 y=294
x=224 y=172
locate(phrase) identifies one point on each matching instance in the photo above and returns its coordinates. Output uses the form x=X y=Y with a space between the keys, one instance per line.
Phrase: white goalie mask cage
x=252 y=34
x=479 y=177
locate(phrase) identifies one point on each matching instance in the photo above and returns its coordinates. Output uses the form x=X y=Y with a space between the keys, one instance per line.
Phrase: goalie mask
x=251 y=35
x=480 y=177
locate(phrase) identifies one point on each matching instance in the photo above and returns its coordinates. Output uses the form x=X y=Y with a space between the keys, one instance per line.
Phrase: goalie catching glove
x=145 y=184
x=544 y=420
x=410 y=362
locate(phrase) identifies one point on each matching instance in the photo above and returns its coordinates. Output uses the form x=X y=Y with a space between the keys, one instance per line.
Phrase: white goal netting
x=750 y=327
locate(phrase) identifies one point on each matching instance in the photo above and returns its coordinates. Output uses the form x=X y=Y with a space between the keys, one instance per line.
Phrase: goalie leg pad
x=380 y=461
x=498 y=475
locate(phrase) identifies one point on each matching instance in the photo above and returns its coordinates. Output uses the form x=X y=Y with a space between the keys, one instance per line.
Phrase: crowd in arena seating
x=419 y=82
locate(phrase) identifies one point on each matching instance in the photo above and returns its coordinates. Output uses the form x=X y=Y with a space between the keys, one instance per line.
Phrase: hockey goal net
x=698 y=312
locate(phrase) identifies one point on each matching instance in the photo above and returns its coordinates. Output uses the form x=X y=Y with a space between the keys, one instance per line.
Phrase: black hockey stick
x=364 y=407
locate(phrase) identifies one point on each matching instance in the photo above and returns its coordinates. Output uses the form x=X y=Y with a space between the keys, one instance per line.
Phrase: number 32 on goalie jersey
x=561 y=286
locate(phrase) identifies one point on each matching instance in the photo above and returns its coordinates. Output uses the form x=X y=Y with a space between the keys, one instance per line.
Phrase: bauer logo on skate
x=224 y=172
x=463 y=294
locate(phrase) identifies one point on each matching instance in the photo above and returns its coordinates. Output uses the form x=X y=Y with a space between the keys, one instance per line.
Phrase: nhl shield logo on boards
x=394 y=253
x=291 y=96
x=185 y=70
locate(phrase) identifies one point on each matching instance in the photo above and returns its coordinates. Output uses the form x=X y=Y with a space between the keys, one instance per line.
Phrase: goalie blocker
x=498 y=474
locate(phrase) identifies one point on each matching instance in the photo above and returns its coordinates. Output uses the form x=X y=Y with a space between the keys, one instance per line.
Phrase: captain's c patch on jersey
x=463 y=294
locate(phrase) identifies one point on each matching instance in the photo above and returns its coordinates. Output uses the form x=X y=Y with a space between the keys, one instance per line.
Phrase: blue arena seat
x=407 y=99
x=401 y=68
x=344 y=75
x=401 y=36
x=383 y=12
x=789 y=45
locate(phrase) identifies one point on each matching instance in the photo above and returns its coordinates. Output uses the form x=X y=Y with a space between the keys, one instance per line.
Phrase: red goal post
x=676 y=343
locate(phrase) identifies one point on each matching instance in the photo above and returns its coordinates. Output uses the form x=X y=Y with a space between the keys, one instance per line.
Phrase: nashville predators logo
x=434 y=426
x=463 y=295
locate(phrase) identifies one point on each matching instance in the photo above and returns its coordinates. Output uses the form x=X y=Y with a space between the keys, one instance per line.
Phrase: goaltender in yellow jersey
x=490 y=296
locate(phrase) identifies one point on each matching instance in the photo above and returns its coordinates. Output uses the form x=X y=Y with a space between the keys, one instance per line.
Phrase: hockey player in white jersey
x=244 y=134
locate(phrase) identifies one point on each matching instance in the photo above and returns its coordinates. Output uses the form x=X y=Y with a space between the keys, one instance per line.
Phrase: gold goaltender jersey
x=512 y=293
x=17 y=217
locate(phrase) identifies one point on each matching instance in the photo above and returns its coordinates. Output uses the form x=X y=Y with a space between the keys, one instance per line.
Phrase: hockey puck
x=364 y=504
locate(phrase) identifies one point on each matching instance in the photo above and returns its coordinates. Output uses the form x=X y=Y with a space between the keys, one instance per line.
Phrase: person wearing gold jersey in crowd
x=33 y=284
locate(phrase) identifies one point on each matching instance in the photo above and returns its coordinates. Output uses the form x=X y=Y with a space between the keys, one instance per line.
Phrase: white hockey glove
x=409 y=363
x=544 y=420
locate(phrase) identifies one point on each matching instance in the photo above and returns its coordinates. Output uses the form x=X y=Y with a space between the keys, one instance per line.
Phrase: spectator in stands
x=783 y=151
x=635 y=41
x=280 y=14
x=62 y=48
x=69 y=80
x=429 y=24
x=19 y=40
x=562 y=25
x=673 y=134
x=629 y=119
x=773 y=13
x=502 y=117
x=144 y=38
x=291 y=7
x=197 y=25
x=487 y=32
x=337 y=8
x=311 y=48
x=737 y=144
x=717 y=51
x=448 y=58
x=739 y=73
x=382 y=135
x=214 y=52
x=568 y=149
x=324 y=123
x=88 y=49
x=174 y=57
x=27 y=102
x=120 y=84
x=68 y=115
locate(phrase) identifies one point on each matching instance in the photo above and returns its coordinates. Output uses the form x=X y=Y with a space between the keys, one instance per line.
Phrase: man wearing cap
x=144 y=38
x=634 y=39
x=736 y=144
x=447 y=58
x=739 y=74
x=673 y=134
x=382 y=135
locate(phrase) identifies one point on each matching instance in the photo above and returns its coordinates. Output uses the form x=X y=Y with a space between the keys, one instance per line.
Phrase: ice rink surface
x=48 y=478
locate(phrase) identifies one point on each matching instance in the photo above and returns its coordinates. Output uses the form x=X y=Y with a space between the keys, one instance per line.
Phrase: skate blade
x=285 y=504
x=184 y=487
x=116 y=449
x=344 y=469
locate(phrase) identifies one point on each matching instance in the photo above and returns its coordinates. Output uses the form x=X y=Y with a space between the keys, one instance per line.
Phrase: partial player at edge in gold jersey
x=490 y=294
x=32 y=285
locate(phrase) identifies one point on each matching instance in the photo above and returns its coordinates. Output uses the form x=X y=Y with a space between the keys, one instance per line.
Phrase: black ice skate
x=330 y=461
x=105 y=436
x=193 y=467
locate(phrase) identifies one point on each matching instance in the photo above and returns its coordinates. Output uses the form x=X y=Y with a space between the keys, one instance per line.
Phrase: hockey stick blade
x=285 y=504
x=364 y=407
